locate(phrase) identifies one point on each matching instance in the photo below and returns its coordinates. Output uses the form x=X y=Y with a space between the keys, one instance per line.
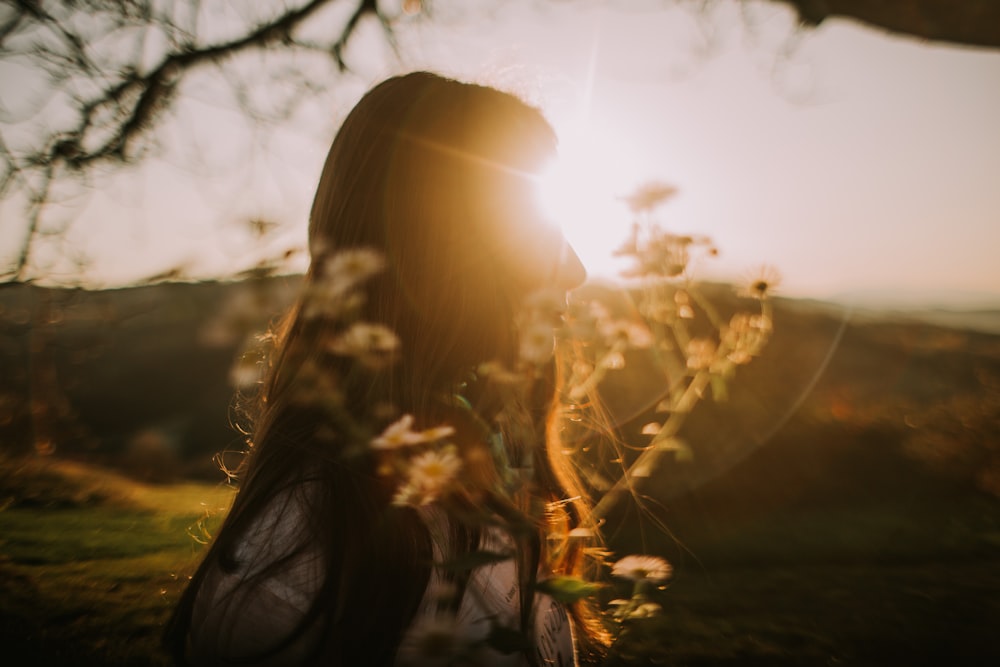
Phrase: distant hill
x=139 y=378
x=136 y=377
x=977 y=319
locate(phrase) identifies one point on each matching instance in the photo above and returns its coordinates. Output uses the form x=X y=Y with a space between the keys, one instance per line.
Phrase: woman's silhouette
x=430 y=183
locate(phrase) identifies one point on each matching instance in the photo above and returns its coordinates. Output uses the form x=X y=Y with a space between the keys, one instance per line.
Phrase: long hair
x=436 y=176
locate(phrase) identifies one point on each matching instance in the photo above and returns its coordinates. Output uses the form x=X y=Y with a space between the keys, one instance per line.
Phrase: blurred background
x=841 y=507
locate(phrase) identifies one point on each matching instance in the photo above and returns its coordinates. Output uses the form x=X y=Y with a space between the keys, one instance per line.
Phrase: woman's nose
x=570 y=271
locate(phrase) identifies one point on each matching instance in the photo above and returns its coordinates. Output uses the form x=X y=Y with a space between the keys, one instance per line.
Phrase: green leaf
x=567 y=589
x=475 y=559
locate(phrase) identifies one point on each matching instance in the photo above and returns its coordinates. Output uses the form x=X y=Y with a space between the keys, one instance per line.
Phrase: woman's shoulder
x=277 y=528
x=492 y=597
x=249 y=608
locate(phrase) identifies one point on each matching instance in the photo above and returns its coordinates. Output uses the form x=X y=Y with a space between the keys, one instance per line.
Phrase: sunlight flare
x=582 y=190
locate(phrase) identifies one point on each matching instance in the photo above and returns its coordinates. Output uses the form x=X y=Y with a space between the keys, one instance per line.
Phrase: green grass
x=934 y=613
x=91 y=582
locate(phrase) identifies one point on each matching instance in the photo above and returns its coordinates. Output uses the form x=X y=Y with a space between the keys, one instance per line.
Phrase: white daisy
x=397 y=434
x=432 y=472
x=642 y=568
x=400 y=433
x=353 y=266
x=760 y=284
x=374 y=345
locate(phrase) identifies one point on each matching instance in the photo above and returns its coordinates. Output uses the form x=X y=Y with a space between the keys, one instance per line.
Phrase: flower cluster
x=427 y=464
x=601 y=340
x=336 y=289
x=669 y=324
x=648 y=575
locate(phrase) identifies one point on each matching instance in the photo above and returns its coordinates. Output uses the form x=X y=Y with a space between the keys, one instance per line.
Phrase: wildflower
x=429 y=477
x=740 y=356
x=630 y=246
x=683 y=301
x=537 y=344
x=331 y=299
x=374 y=345
x=648 y=196
x=635 y=334
x=405 y=495
x=652 y=428
x=700 y=353
x=397 y=434
x=613 y=360
x=639 y=336
x=760 y=284
x=350 y=267
x=658 y=309
x=318 y=247
x=642 y=568
x=663 y=255
x=432 y=471
x=400 y=434
x=746 y=336
x=645 y=610
x=437 y=433
x=411 y=7
x=760 y=323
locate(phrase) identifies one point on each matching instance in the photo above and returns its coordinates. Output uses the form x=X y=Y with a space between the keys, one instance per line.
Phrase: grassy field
x=842 y=507
x=91 y=563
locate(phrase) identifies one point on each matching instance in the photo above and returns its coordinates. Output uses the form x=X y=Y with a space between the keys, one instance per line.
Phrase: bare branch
x=101 y=76
x=110 y=101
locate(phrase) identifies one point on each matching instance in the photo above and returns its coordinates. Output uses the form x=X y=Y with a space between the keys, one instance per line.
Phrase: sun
x=582 y=189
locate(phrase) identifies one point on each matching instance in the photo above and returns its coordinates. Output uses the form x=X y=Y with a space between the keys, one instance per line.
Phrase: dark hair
x=435 y=175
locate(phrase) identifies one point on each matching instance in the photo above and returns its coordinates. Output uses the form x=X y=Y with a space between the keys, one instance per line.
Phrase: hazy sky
x=850 y=160
x=854 y=162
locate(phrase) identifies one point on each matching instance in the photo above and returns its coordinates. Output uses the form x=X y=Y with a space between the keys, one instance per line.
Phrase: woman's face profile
x=568 y=271
x=530 y=243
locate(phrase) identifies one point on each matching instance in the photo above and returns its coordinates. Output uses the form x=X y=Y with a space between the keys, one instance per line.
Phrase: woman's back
x=233 y=621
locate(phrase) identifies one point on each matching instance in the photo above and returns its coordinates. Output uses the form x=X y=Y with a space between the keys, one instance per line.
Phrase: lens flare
x=582 y=189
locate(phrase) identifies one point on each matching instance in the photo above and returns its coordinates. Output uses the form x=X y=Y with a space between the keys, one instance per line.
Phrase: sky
x=860 y=165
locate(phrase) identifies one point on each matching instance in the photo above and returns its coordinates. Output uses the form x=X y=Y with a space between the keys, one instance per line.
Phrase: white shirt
x=493 y=595
x=228 y=620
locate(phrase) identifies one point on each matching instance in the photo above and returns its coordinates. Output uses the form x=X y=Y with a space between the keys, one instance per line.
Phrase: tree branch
x=126 y=100
x=965 y=22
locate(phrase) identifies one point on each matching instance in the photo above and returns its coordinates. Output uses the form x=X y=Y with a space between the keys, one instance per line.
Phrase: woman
x=427 y=197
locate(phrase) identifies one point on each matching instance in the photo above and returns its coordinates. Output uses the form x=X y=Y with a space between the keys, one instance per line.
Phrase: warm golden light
x=582 y=191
